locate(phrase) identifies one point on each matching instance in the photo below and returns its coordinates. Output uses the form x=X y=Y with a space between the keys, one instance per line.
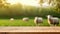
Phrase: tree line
x=17 y=10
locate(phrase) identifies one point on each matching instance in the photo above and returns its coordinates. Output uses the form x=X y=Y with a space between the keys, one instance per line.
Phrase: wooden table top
x=30 y=29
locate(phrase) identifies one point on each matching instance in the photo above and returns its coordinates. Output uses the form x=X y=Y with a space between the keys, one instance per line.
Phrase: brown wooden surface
x=30 y=30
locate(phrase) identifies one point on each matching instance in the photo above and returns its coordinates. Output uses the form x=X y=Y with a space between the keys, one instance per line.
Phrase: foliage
x=18 y=10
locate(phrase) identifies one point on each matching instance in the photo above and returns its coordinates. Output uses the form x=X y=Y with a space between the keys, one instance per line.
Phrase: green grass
x=19 y=22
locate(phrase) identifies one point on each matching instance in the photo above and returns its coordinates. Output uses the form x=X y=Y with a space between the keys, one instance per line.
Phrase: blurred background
x=29 y=8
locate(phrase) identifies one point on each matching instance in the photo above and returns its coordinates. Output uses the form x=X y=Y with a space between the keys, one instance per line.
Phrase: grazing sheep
x=11 y=19
x=38 y=20
x=53 y=20
x=25 y=19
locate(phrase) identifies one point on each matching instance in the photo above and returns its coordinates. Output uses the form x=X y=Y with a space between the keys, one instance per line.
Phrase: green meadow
x=20 y=22
x=20 y=10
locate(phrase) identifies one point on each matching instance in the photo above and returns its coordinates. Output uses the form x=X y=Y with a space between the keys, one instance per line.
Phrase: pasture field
x=19 y=22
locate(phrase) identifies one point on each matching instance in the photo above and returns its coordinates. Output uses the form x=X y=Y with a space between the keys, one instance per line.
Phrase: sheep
x=25 y=19
x=11 y=19
x=38 y=20
x=53 y=20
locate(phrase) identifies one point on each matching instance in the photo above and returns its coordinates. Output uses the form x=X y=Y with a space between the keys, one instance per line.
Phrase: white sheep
x=11 y=19
x=25 y=19
x=53 y=20
x=38 y=20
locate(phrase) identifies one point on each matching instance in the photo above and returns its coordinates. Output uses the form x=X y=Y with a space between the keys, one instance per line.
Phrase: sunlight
x=45 y=4
x=11 y=1
x=24 y=2
x=28 y=2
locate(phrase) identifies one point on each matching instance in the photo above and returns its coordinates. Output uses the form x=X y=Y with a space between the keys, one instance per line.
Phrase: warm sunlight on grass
x=19 y=22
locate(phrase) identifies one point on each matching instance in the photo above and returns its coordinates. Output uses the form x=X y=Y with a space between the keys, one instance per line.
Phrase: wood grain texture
x=29 y=32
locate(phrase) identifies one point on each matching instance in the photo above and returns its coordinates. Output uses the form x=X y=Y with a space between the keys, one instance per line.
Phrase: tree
x=49 y=1
x=58 y=4
x=4 y=4
x=57 y=7
x=41 y=2
x=1 y=3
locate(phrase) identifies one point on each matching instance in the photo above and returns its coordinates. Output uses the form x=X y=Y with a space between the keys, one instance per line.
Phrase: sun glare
x=24 y=2
x=45 y=4
x=27 y=2
x=11 y=1
x=30 y=2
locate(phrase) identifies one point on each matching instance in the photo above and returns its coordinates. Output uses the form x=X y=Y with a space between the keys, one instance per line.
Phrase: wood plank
x=30 y=29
